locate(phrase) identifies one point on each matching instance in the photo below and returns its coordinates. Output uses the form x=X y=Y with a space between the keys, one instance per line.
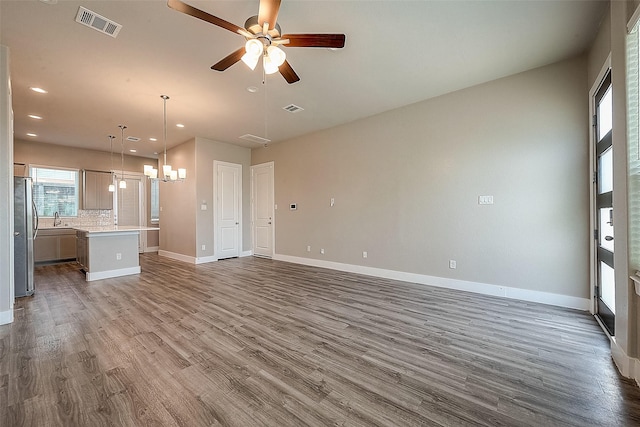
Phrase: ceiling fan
x=263 y=36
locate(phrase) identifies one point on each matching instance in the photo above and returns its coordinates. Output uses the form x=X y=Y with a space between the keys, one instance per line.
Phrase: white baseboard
x=194 y=260
x=6 y=317
x=112 y=273
x=177 y=256
x=187 y=258
x=462 y=285
x=205 y=259
x=152 y=249
x=629 y=367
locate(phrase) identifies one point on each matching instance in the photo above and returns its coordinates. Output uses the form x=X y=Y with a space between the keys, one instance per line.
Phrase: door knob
x=608 y=238
x=16 y=233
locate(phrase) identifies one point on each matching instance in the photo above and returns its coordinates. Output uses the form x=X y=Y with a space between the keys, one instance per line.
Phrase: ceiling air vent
x=97 y=22
x=292 y=108
x=133 y=138
x=256 y=139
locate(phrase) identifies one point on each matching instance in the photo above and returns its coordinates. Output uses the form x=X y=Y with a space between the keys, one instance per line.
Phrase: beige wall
x=600 y=49
x=178 y=203
x=406 y=185
x=43 y=154
x=206 y=152
x=6 y=191
x=184 y=226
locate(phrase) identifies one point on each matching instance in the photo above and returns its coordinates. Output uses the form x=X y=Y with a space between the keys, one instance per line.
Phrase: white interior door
x=262 y=209
x=228 y=187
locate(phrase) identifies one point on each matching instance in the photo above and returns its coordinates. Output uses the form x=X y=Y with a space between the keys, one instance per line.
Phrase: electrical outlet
x=322 y=251
x=118 y=256
x=364 y=254
x=308 y=248
x=204 y=247
x=452 y=264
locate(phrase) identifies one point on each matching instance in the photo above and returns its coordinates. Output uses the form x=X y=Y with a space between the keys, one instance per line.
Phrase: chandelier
x=168 y=174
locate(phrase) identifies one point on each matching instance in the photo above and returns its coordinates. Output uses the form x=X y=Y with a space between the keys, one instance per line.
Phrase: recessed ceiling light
x=153 y=139
x=155 y=152
x=33 y=116
x=38 y=89
x=180 y=125
x=252 y=89
x=32 y=135
x=133 y=150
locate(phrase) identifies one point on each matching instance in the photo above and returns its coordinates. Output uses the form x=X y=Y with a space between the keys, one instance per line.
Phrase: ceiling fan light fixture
x=253 y=50
x=250 y=60
x=270 y=67
x=276 y=55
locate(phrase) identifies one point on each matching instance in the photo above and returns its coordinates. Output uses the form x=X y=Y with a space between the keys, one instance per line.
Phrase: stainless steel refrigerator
x=24 y=232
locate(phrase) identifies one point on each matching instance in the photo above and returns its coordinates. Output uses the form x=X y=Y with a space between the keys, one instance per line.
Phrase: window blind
x=633 y=145
x=128 y=203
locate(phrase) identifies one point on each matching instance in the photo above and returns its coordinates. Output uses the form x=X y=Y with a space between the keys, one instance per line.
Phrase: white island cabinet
x=105 y=252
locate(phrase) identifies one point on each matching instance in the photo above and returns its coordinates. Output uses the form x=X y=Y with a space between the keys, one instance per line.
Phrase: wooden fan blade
x=197 y=13
x=287 y=72
x=315 y=40
x=229 y=60
x=268 y=12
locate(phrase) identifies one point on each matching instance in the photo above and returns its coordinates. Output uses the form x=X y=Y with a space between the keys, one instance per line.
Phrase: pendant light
x=112 y=187
x=123 y=183
x=168 y=174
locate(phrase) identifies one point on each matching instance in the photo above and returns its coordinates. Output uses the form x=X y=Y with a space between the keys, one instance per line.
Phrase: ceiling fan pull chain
x=266 y=110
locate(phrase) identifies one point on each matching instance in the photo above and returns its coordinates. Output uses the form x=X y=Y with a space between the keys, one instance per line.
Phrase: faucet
x=56 y=219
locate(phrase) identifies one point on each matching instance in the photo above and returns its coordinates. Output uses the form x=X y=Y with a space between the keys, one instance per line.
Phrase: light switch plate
x=485 y=200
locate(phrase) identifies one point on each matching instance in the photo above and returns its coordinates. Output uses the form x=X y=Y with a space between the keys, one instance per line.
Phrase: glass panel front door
x=605 y=285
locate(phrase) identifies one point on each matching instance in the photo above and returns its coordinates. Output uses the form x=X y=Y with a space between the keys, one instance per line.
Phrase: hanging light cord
x=122 y=128
x=111 y=150
x=164 y=125
x=266 y=112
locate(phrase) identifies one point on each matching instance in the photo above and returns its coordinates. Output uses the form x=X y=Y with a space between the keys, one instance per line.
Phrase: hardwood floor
x=255 y=342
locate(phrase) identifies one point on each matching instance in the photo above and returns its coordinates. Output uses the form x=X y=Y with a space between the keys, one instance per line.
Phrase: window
x=633 y=146
x=55 y=190
x=155 y=201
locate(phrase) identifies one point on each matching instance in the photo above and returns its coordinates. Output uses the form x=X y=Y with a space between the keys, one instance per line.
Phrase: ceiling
x=396 y=53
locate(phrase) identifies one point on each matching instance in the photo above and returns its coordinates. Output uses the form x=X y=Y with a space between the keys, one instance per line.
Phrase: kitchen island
x=105 y=252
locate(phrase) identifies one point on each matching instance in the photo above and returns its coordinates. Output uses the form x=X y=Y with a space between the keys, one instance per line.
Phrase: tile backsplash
x=94 y=218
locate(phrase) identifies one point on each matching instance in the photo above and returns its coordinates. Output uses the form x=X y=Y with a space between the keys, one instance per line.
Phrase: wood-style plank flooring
x=256 y=342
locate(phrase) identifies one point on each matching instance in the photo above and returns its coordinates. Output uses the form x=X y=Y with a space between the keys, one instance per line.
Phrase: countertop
x=114 y=229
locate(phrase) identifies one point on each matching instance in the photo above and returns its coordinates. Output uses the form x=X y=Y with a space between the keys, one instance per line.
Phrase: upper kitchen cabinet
x=96 y=194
